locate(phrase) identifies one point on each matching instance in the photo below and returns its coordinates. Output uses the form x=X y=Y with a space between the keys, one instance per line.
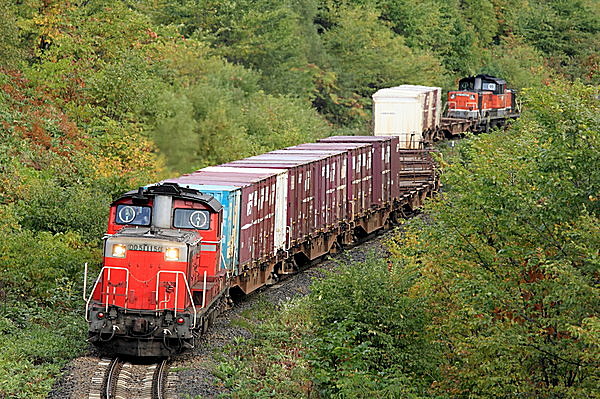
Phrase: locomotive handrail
x=224 y=263
x=109 y=268
x=204 y=291
x=187 y=286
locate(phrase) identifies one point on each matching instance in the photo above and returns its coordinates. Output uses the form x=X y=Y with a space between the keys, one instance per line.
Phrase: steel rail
x=159 y=380
x=110 y=379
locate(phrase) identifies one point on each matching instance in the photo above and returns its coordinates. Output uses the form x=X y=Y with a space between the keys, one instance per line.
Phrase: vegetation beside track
x=357 y=334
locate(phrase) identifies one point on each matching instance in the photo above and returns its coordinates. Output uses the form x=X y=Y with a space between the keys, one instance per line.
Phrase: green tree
x=214 y=124
x=10 y=50
x=438 y=27
x=367 y=55
x=518 y=63
x=278 y=40
x=566 y=32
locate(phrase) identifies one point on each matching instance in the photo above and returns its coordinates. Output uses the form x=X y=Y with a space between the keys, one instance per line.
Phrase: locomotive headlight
x=452 y=96
x=172 y=254
x=472 y=97
x=119 y=250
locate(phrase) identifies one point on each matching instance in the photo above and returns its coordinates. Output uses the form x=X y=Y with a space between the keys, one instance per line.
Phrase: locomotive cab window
x=135 y=215
x=191 y=219
x=489 y=86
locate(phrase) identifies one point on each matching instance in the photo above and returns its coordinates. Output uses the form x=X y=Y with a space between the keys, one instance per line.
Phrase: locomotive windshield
x=191 y=219
x=134 y=215
x=489 y=86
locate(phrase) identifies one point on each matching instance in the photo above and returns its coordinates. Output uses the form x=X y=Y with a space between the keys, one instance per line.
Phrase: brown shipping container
x=358 y=171
x=311 y=192
x=300 y=203
x=301 y=199
x=385 y=163
x=331 y=198
x=309 y=204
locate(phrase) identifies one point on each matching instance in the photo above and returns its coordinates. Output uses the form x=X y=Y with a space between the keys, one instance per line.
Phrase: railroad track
x=118 y=379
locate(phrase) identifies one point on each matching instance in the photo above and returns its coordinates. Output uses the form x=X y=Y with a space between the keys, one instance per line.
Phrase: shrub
x=370 y=337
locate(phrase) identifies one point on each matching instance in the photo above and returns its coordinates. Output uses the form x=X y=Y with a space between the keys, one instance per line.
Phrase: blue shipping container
x=229 y=197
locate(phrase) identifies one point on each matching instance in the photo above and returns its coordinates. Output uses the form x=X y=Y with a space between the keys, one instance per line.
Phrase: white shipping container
x=281 y=204
x=406 y=111
x=434 y=103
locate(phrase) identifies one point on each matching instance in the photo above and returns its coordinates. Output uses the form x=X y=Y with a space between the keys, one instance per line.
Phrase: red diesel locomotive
x=481 y=97
x=154 y=277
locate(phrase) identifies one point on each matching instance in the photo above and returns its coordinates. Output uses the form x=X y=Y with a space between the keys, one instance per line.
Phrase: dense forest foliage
x=98 y=97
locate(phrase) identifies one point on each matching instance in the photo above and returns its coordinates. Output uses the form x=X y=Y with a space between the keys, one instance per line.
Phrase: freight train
x=177 y=250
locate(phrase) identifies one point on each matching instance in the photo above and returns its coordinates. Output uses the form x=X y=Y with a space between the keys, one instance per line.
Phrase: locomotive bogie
x=140 y=333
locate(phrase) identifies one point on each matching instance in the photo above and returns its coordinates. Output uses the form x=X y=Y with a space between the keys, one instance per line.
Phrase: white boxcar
x=407 y=112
